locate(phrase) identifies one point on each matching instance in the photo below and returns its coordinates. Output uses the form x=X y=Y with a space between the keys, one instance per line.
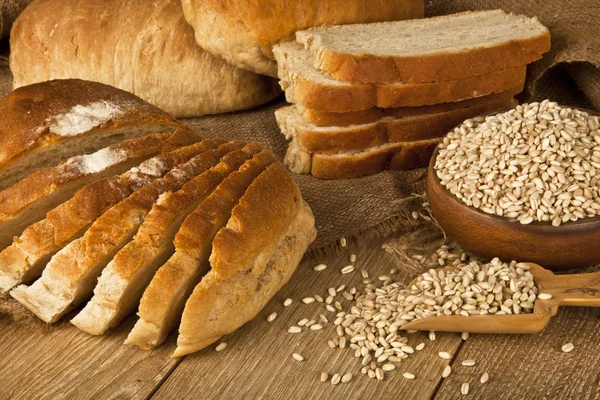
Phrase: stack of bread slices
x=105 y=197
x=370 y=97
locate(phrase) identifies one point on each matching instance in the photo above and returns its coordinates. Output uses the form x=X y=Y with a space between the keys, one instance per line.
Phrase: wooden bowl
x=570 y=245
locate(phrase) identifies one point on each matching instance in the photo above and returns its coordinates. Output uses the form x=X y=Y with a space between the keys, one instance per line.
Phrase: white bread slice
x=163 y=300
x=70 y=276
x=307 y=86
x=427 y=50
x=123 y=280
x=252 y=258
x=338 y=139
x=373 y=114
x=353 y=164
x=28 y=201
x=48 y=122
x=25 y=258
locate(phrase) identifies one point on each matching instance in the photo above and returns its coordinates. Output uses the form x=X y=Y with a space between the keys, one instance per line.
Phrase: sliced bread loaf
x=163 y=300
x=28 y=200
x=426 y=50
x=338 y=139
x=49 y=122
x=311 y=88
x=353 y=164
x=25 y=258
x=70 y=276
x=324 y=118
x=252 y=257
x=123 y=281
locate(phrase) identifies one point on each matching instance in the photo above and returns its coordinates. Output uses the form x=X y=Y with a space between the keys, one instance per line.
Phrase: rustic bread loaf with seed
x=243 y=32
x=434 y=49
x=311 y=88
x=70 y=276
x=338 y=139
x=28 y=200
x=324 y=118
x=273 y=226
x=353 y=164
x=144 y=47
x=163 y=300
x=25 y=258
x=123 y=281
x=46 y=123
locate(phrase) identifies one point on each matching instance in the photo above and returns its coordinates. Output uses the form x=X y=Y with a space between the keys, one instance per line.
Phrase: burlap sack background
x=376 y=205
x=9 y=11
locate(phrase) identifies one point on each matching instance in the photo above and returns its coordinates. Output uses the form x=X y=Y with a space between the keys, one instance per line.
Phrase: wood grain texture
x=533 y=366
x=65 y=363
x=258 y=360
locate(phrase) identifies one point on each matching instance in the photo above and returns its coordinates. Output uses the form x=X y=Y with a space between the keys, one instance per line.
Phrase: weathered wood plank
x=533 y=366
x=66 y=363
x=257 y=362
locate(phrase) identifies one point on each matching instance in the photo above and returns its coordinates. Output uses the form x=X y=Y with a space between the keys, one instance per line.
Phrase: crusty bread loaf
x=311 y=88
x=25 y=258
x=338 y=139
x=163 y=300
x=49 y=122
x=252 y=258
x=427 y=50
x=28 y=201
x=324 y=118
x=124 y=279
x=144 y=47
x=70 y=276
x=243 y=32
x=353 y=164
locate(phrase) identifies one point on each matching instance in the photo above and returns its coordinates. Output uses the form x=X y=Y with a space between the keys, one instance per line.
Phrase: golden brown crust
x=243 y=31
x=146 y=48
x=401 y=156
x=332 y=140
x=439 y=66
x=28 y=112
x=356 y=97
x=323 y=118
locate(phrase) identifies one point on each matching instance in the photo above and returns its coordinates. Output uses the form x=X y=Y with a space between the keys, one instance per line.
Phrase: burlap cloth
x=378 y=205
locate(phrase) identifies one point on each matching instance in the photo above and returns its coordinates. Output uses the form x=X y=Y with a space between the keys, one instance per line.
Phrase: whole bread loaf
x=144 y=47
x=243 y=31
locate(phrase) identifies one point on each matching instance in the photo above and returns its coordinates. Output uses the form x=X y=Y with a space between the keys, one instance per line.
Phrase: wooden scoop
x=580 y=290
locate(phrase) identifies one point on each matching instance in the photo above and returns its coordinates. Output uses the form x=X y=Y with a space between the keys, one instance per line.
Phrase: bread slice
x=338 y=139
x=427 y=50
x=323 y=118
x=124 y=279
x=252 y=258
x=49 y=122
x=353 y=164
x=307 y=86
x=25 y=258
x=163 y=300
x=70 y=276
x=28 y=201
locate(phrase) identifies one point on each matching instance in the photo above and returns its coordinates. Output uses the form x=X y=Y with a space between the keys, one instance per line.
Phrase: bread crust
x=439 y=66
x=146 y=48
x=332 y=140
x=243 y=31
x=163 y=299
x=395 y=156
x=250 y=260
x=347 y=97
x=24 y=258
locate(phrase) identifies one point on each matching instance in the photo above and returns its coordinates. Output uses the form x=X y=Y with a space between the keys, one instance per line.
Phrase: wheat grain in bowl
x=535 y=162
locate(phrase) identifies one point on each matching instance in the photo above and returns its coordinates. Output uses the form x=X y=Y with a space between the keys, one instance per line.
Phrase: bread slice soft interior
x=123 y=281
x=163 y=300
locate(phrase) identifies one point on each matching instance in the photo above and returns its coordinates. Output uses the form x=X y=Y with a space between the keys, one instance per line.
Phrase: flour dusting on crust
x=83 y=118
x=98 y=161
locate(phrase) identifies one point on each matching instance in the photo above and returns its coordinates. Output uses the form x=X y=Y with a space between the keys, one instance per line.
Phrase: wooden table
x=64 y=363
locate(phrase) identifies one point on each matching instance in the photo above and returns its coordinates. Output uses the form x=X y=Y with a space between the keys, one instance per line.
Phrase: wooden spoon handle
x=582 y=290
